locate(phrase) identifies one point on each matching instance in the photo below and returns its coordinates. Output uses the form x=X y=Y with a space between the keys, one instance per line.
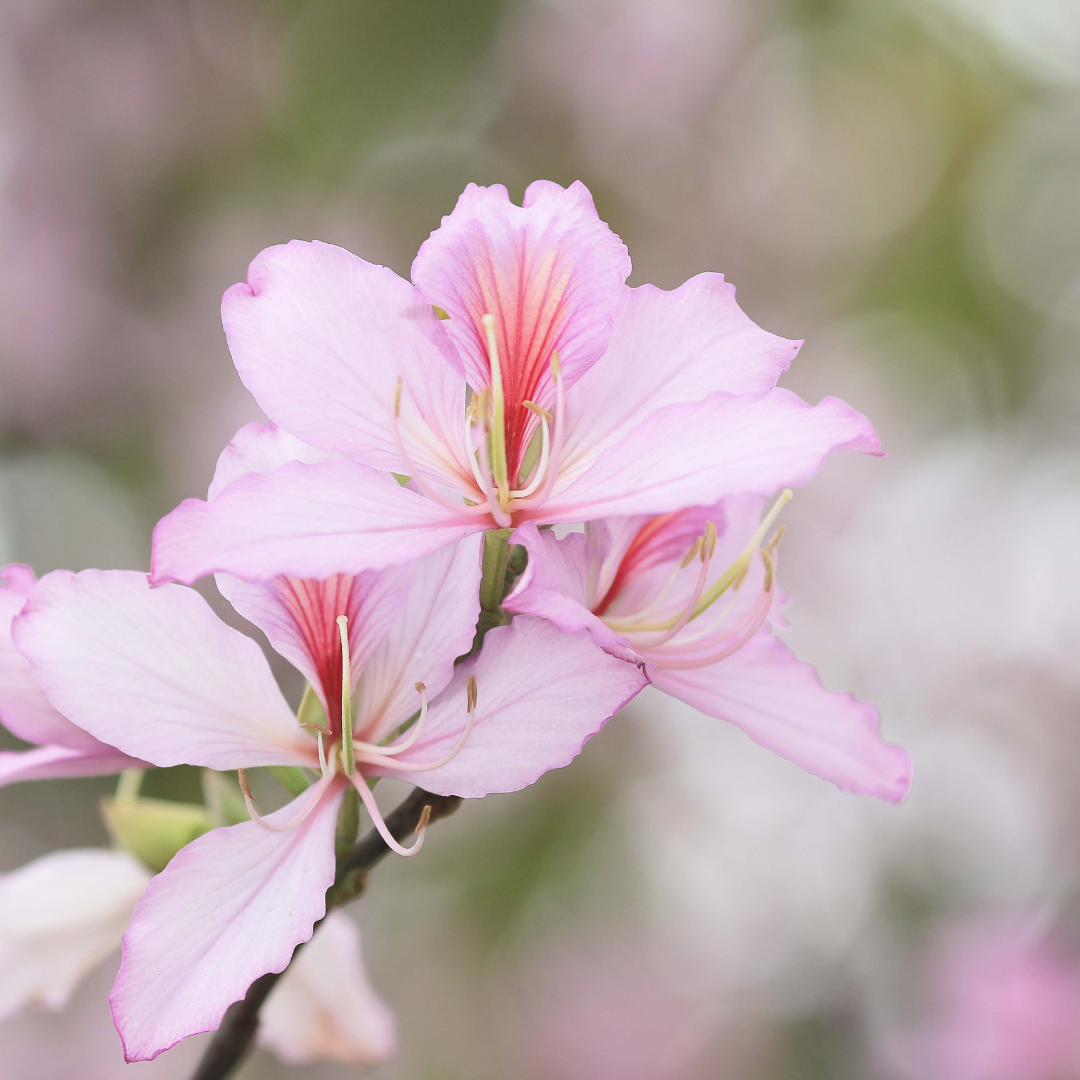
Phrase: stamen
x=315 y=794
x=368 y=799
x=555 y=455
x=545 y=449
x=538 y=410
x=473 y=414
x=411 y=736
x=346 y=697
x=411 y=470
x=426 y=766
x=498 y=414
x=502 y=519
x=707 y=544
x=689 y=557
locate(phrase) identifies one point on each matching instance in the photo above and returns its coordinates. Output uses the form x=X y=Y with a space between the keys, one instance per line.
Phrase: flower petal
x=24 y=709
x=321 y=337
x=61 y=915
x=308 y=521
x=550 y=272
x=61 y=762
x=779 y=701
x=555 y=586
x=324 y=1008
x=260 y=448
x=299 y=616
x=231 y=906
x=156 y=672
x=434 y=628
x=667 y=348
x=541 y=695
x=692 y=455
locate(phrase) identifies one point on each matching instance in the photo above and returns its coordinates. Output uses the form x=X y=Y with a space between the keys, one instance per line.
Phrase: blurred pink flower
x=639 y=585
x=156 y=670
x=590 y=399
x=61 y=748
x=1007 y=1007
x=64 y=913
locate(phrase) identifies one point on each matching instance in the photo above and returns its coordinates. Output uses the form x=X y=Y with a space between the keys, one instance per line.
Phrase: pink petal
x=667 y=348
x=299 y=616
x=541 y=695
x=24 y=709
x=692 y=455
x=781 y=704
x=231 y=906
x=555 y=586
x=550 y=272
x=260 y=448
x=156 y=672
x=321 y=337
x=324 y=1007
x=60 y=916
x=308 y=521
x=60 y=762
x=433 y=629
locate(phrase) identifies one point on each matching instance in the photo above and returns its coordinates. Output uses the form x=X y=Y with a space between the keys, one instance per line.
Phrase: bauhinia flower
x=693 y=594
x=64 y=913
x=155 y=671
x=517 y=380
x=61 y=748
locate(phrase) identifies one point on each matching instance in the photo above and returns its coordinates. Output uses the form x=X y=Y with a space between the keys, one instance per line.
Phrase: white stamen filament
x=410 y=737
x=368 y=799
x=555 y=454
x=707 y=546
x=314 y=793
x=541 y=466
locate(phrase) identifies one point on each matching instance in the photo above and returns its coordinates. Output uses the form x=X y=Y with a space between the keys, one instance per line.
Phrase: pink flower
x=155 y=671
x=684 y=593
x=589 y=399
x=62 y=749
x=1005 y=1005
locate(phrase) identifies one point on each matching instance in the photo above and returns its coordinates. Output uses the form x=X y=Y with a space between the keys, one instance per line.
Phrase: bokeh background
x=897 y=181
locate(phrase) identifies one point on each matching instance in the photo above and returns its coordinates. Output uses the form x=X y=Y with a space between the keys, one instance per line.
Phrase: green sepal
x=154 y=830
x=291 y=777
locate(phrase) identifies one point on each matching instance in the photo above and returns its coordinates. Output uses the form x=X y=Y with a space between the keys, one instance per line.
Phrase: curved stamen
x=472 y=414
x=368 y=799
x=346 y=698
x=545 y=447
x=410 y=468
x=427 y=766
x=706 y=545
x=498 y=414
x=731 y=643
x=411 y=736
x=556 y=438
x=315 y=794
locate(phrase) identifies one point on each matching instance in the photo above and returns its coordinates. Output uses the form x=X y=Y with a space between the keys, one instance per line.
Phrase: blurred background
x=897 y=181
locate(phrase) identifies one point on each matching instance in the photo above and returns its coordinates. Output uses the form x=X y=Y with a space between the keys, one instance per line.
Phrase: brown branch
x=236 y=1035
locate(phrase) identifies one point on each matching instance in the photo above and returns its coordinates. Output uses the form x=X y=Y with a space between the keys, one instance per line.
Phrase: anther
x=688 y=558
x=709 y=541
x=425 y=817
x=397 y=399
x=470 y=693
x=538 y=410
x=556 y=365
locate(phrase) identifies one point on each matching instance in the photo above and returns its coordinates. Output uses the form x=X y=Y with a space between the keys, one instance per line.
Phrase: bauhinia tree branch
x=236 y=1035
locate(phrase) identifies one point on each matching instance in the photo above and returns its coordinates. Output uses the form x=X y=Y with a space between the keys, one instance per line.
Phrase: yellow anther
x=689 y=557
x=556 y=364
x=770 y=547
x=538 y=410
x=708 y=545
x=770 y=569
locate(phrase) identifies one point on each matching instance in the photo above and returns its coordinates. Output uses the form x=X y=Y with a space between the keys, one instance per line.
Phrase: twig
x=235 y=1036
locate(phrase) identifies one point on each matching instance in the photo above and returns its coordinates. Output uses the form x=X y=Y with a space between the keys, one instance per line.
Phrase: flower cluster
x=390 y=533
